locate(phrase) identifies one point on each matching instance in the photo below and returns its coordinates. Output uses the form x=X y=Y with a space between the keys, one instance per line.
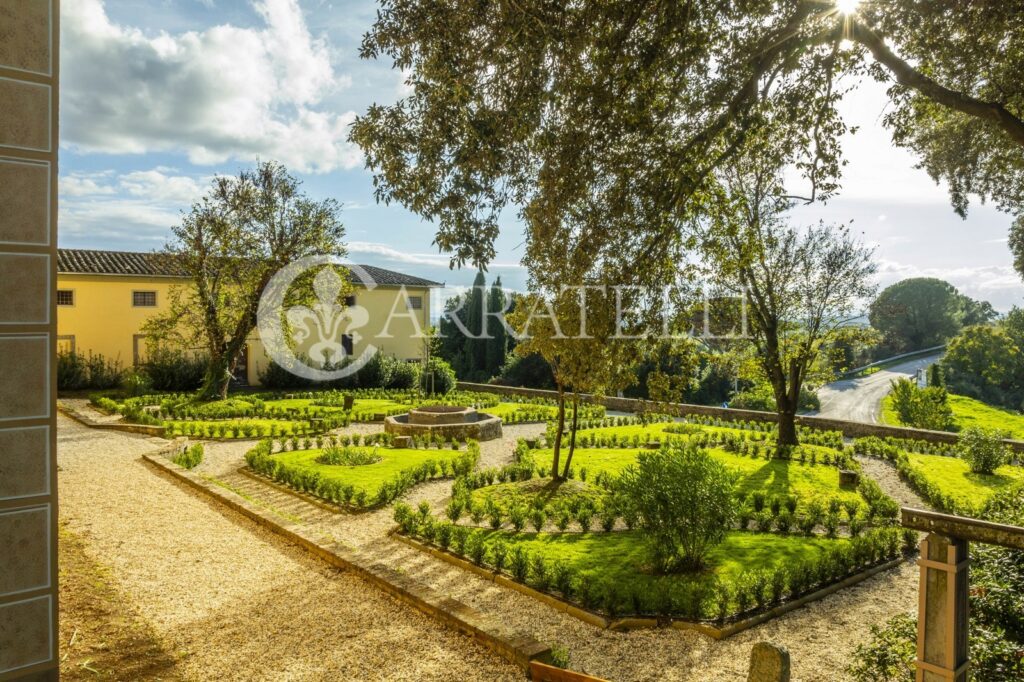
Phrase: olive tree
x=683 y=500
x=798 y=286
x=230 y=244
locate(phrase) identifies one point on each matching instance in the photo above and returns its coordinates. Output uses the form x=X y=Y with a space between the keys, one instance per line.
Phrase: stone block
x=25 y=35
x=25 y=368
x=769 y=663
x=25 y=196
x=24 y=462
x=25 y=115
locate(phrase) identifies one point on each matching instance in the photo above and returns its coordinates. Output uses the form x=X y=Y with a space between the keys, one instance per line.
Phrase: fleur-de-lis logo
x=325 y=322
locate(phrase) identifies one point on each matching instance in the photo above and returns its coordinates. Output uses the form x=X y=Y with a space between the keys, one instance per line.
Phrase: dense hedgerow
x=717 y=600
x=261 y=460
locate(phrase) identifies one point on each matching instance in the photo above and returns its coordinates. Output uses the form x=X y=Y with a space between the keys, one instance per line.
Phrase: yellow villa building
x=105 y=297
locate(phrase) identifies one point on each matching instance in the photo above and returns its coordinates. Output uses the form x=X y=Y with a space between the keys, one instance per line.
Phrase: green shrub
x=174 y=370
x=922 y=408
x=406 y=375
x=76 y=372
x=683 y=500
x=983 y=450
x=438 y=378
x=190 y=457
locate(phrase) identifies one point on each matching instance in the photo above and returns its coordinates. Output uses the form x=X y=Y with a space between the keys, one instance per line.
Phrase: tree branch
x=910 y=77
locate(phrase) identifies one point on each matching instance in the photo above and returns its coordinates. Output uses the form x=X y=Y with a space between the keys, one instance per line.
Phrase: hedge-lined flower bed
x=935 y=472
x=392 y=472
x=603 y=572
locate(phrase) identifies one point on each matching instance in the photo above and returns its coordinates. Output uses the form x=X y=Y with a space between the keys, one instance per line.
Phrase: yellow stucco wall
x=103 y=319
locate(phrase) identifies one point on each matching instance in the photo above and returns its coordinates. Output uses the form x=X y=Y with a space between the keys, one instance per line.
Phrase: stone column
x=943 y=610
x=28 y=253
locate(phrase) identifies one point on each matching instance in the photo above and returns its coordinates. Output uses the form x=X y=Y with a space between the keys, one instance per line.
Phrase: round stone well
x=447 y=421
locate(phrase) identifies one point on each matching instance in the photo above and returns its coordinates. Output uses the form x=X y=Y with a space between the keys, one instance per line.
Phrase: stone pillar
x=943 y=610
x=769 y=663
x=28 y=265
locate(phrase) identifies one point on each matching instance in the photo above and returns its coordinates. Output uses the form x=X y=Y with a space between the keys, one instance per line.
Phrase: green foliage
x=983 y=450
x=996 y=611
x=229 y=245
x=190 y=457
x=175 y=371
x=917 y=313
x=761 y=397
x=77 y=372
x=348 y=456
x=922 y=408
x=987 y=362
x=683 y=500
x=530 y=371
x=438 y=378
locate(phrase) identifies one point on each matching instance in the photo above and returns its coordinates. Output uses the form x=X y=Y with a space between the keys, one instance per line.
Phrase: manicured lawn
x=504 y=494
x=954 y=477
x=367 y=477
x=775 y=477
x=970 y=412
x=504 y=410
x=623 y=558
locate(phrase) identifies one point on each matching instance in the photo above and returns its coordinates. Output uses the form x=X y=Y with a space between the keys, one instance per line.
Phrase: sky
x=159 y=96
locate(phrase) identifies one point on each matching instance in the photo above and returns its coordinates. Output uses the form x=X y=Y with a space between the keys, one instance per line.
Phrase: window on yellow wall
x=144 y=299
x=65 y=297
x=415 y=303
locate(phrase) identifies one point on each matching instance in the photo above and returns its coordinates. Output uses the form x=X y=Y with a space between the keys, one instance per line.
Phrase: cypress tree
x=497 y=345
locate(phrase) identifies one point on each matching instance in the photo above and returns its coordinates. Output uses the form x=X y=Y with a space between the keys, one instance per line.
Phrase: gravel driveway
x=230 y=599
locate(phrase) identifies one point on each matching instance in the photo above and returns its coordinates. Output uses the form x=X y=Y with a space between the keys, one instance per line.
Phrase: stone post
x=943 y=610
x=769 y=663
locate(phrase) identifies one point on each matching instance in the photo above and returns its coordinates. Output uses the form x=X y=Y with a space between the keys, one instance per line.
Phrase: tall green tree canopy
x=922 y=312
x=603 y=123
x=232 y=242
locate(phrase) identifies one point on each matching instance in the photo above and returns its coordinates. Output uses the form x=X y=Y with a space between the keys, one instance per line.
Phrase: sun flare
x=847 y=6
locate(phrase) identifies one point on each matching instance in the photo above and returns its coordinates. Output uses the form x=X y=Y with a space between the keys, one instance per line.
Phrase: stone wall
x=848 y=428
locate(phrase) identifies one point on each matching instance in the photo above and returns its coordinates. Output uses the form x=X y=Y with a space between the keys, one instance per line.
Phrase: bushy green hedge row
x=718 y=600
x=261 y=460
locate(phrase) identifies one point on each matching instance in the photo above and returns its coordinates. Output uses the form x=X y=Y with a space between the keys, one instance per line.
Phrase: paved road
x=861 y=399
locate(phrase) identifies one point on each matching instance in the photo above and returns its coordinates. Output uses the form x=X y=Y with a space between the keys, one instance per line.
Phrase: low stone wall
x=128 y=427
x=847 y=428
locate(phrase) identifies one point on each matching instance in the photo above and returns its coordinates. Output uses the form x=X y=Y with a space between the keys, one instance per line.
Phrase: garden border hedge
x=637 y=622
x=849 y=429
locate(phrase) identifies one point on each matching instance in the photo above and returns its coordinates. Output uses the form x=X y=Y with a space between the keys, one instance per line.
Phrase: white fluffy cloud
x=126 y=211
x=998 y=284
x=218 y=94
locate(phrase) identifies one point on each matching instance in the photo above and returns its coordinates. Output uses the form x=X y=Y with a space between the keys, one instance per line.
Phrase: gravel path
x=820 y=637
x=889 y=480
x=233 y=601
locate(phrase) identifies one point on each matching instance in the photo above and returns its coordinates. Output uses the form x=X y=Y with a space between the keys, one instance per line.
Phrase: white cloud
x=998 y=284
x=129 y=210
x=433 y=259
x=218 y=94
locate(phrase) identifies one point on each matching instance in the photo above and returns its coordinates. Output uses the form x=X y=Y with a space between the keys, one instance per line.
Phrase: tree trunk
x=572 y=433
x=558 y=433
x=217 y=379
x=787 y=427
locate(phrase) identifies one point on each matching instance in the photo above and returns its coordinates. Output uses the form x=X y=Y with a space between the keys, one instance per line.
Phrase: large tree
x=609 y=119
x=799 y=285
x=231 y=243
x=922 y=312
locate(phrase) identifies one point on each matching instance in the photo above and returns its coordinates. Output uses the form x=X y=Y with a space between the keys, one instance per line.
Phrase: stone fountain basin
x=447 y=421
